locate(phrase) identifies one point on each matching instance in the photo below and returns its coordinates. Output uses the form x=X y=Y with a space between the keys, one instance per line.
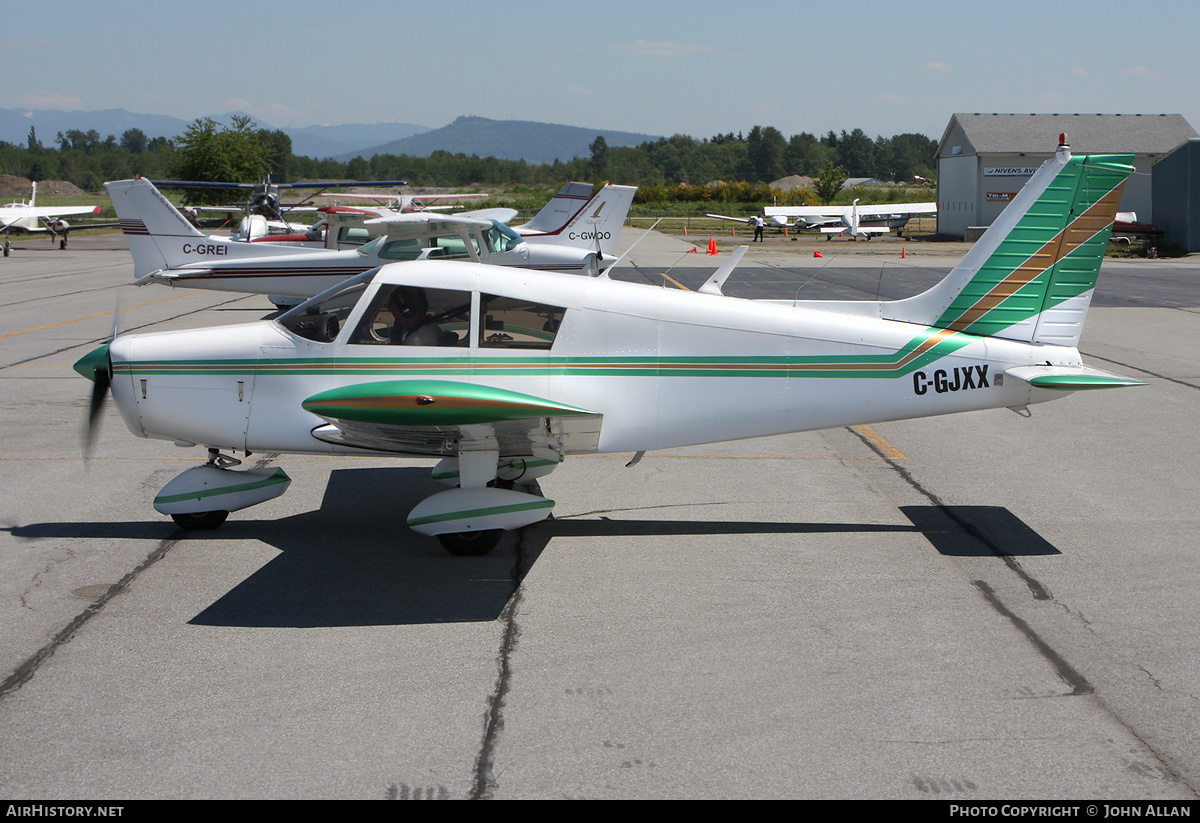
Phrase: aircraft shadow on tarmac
x=354 y=562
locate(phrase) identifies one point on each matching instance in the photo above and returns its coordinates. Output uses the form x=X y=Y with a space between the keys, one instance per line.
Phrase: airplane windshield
x=500 y=238
x=322 y=317
x=369 y=248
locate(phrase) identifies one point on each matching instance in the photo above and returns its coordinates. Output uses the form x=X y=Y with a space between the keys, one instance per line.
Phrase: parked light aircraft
x=573 y=217
x=853 y=219
x=168 y=249
x=30 y=218
x=354 y=218
x=410 y=202
x=265 y=198
x=265 y=212
x=502 y=374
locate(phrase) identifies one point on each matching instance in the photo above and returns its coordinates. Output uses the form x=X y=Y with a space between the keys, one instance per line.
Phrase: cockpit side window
x=408 y=248
x=512 y=323
x=453 y=246
x=348 y=236
x=416 y=316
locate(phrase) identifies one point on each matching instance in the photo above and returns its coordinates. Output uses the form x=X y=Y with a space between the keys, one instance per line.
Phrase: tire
x=200 y=521
x=470 y=544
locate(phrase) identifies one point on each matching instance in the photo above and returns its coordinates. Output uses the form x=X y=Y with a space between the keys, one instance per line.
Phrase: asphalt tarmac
x=965 y=608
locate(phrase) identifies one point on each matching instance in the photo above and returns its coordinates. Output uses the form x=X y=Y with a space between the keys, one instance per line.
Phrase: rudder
x=1030 y=277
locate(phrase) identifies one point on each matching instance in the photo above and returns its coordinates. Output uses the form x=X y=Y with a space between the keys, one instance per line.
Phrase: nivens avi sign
x=1010 y=171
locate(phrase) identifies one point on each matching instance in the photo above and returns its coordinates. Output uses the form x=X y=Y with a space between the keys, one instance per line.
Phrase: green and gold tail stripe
x=1051 y=255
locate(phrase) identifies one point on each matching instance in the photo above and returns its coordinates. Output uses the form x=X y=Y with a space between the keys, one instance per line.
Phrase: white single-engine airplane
x=30 y=218
x=502 y=374
x=853 y=219
x=168 y=249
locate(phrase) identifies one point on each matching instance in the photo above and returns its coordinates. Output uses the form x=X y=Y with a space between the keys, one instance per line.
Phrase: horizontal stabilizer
x=1071 y=378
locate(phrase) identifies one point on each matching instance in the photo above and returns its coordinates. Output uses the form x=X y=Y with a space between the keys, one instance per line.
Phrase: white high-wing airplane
x=853 y=219
x=168 y=249
x=30 y=218
x=503 y=374
x=408 y=202
x=265 y=212
x=573 y=217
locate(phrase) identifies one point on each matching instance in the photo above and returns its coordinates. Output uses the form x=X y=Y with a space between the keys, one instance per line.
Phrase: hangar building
x=1176 y=181
x=984 y=159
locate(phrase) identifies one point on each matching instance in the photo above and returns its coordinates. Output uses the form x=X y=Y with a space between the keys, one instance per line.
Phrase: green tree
x=765 y=149
x=829 y=183
x=856 y=153
x=134 y=141
x=208 y=152
x=806 y=155
x=599 y=161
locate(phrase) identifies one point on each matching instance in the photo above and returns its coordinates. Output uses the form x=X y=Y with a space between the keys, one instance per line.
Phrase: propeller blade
x=100 y=391
x=97 y=367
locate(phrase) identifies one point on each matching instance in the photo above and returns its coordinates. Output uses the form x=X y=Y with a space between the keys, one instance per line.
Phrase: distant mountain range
x=506 y=139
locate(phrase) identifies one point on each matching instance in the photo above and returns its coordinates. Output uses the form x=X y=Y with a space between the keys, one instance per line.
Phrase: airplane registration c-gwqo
x=502 y=373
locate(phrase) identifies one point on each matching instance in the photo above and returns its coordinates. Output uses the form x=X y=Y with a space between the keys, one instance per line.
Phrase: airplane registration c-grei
x=503 y=373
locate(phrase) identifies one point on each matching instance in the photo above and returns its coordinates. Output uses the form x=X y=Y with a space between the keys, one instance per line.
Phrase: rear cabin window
x=510 y=323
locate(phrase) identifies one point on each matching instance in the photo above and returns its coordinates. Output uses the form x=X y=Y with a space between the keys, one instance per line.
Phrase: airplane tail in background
x=559 y=211
x=573 y=218
x=153 y=227
x=1030 y=277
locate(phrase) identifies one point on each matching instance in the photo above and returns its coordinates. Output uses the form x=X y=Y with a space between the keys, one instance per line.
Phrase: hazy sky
x=698 y=68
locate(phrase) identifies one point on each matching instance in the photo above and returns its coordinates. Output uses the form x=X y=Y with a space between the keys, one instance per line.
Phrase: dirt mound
x=792 y=183
x=13 y=186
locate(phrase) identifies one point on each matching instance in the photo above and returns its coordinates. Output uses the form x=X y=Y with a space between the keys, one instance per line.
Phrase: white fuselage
x=665 y=368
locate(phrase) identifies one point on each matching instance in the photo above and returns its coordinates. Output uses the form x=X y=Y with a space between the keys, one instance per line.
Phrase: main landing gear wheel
x=470 y=544
x=200 y=521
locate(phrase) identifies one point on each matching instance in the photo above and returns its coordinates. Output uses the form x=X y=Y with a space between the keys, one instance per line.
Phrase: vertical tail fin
x=1030 y=277
x=561 y=209
x=152 y=226
x=575 y=218
x=598 y=225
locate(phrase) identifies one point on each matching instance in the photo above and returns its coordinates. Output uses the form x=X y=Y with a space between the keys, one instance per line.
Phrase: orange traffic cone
x=685 y=230
x=903 y=253
x=712 y=246
x=817 y=254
